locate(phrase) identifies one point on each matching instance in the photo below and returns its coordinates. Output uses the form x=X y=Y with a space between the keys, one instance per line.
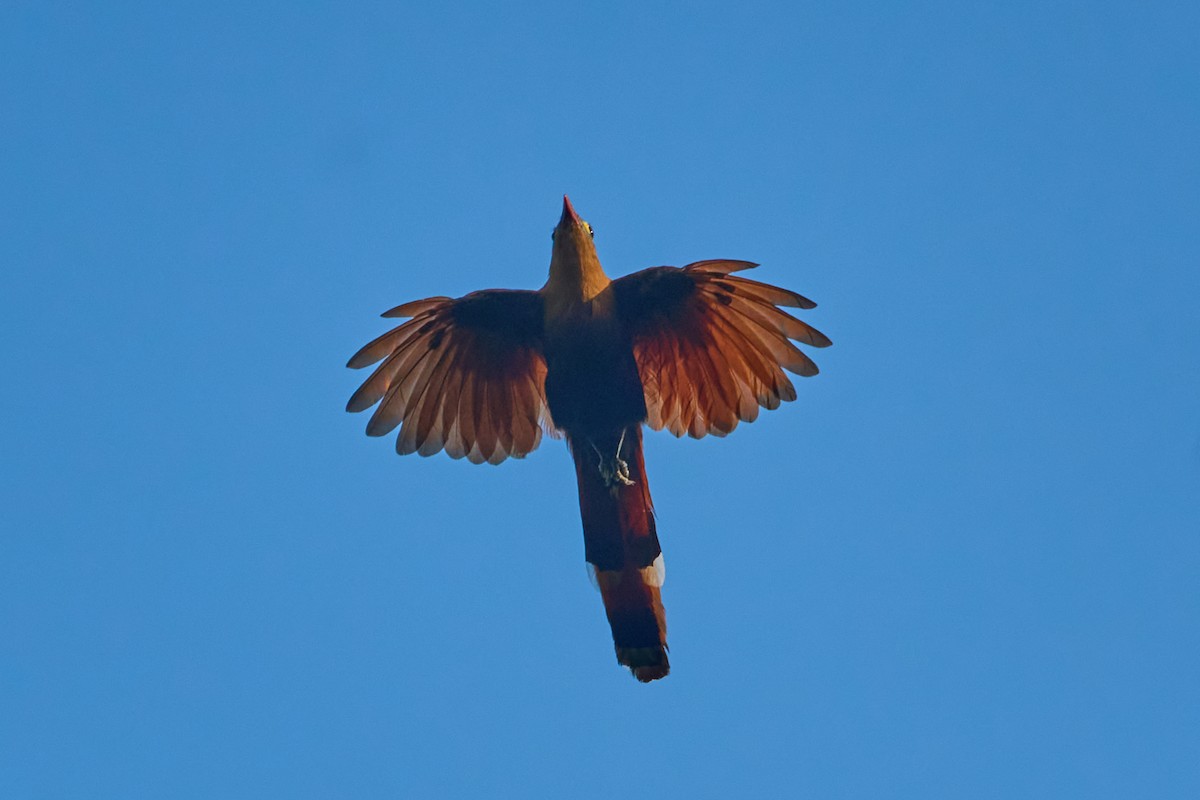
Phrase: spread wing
x=464 y=375
x=712 y=347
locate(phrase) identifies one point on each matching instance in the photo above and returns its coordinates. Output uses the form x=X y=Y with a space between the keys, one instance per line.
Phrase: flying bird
x=692 y=349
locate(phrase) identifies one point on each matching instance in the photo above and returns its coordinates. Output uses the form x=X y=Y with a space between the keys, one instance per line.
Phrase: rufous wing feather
x=463 y=375
x=713 y=347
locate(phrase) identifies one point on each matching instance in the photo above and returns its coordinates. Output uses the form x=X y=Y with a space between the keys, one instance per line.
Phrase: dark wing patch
x=712 y=347
x=466 y=376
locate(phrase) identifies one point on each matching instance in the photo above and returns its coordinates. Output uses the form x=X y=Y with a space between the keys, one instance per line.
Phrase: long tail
x=621 y=544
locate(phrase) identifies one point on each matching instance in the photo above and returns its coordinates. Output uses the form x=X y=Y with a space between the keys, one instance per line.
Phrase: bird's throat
x=576 y=278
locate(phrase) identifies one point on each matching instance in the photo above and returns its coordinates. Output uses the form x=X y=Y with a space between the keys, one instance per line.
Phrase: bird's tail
x=621 y=545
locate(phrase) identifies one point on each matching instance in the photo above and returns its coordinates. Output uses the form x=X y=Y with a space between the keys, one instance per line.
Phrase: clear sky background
x=963 y=564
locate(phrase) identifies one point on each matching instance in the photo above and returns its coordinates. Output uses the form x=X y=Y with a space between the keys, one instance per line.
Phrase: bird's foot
x=615 y=472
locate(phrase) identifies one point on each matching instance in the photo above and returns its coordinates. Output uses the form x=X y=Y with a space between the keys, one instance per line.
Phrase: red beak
x=569 y=217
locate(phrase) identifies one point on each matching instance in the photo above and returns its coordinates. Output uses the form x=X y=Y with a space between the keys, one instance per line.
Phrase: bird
x=693 y=350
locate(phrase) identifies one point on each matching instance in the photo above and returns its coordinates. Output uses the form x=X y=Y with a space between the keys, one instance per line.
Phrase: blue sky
x=963 y=563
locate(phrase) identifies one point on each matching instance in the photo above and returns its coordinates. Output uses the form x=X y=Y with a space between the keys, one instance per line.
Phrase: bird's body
x=693 y=350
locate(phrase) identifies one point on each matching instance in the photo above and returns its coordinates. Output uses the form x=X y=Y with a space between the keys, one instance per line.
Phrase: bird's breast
x=592 y=381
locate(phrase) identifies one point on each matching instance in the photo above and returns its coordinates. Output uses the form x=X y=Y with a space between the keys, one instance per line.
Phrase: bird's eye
x=591 y=232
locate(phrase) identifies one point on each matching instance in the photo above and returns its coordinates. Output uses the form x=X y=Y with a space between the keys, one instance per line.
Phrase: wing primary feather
x=376 y=386
x=718 y=415
x=741 y=370
x=466 y=415
x=785 y=323
x=428 y=409
x=465 y=376
x=725 y=359
x=485 y=439
x=409 y=379
x=390 y=412
x=768 y=293
x=520 y=423
x=489 y=434
x=682 y=392
x=379 y=347
x=503 y=414
x=451 y=404
x=415 y=307
x=787 y=354
x=696 y=365
x=763 y=373
x=413 y=397
x=777 y=347
x=719 y=266
x=528 y=407
x=386 y=374
x=801 y=331
x=524 y=413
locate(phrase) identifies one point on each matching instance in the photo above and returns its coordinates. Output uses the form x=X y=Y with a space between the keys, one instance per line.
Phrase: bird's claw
x=616 y=472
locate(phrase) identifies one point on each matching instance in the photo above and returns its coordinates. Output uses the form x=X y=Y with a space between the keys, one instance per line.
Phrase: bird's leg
x=615 y=470
x=622 y=467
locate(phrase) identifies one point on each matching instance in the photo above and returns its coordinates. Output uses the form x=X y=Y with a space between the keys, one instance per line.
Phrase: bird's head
x=573 y=259
x=572 y=234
